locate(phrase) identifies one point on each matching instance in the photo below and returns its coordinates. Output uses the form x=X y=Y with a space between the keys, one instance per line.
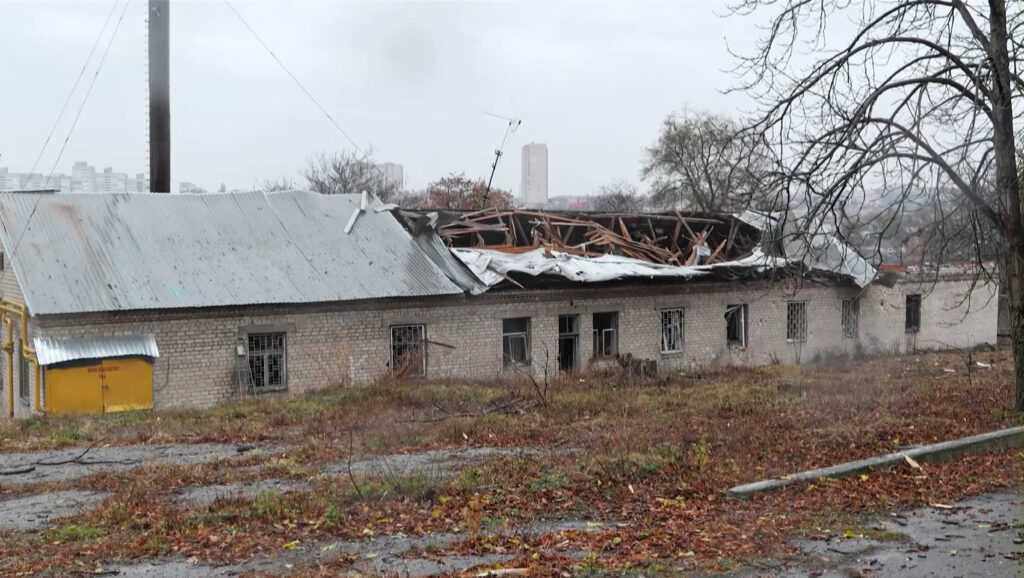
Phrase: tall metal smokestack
x=159 y=97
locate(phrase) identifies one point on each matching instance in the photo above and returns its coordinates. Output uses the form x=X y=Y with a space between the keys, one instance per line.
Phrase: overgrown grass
x=655 y=455
x=76 y=533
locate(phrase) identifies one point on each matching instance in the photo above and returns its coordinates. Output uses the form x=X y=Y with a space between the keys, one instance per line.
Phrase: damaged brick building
x=234 y=294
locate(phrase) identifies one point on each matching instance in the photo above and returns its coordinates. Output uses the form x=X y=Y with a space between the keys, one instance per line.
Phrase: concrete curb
x=992 y=441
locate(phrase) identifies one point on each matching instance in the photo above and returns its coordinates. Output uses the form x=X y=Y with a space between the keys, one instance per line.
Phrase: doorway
x=568 y=342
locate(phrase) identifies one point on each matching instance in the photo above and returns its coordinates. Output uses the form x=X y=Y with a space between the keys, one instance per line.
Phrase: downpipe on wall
x=12 y=307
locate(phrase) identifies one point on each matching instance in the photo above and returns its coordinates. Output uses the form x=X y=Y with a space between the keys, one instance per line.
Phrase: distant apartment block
x=83 y=179
x=394 y=175
x=138 y=184
x=534 y=187
x=186 y=188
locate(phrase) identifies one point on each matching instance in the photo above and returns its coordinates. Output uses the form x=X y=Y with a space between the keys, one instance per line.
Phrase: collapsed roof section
x=515 y=246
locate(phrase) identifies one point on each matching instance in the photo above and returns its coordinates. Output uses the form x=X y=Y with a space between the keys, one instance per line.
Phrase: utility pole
x=159 y=97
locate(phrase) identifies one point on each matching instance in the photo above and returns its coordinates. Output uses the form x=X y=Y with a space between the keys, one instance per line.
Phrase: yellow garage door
x=100 y=386
x=127 y=384
x=77 y=389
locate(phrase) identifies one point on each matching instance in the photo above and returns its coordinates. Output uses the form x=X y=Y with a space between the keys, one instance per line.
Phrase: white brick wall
x=351 y=342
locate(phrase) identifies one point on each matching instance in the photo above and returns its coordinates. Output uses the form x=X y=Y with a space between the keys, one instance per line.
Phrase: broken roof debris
x=499 y=244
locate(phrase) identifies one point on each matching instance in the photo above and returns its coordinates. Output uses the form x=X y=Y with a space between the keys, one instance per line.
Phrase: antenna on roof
x=513 y=125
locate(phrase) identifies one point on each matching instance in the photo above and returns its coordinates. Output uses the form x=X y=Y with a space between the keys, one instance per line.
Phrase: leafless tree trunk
x=915 y=99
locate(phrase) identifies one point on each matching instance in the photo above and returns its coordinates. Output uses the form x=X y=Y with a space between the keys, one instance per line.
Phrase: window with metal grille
x=851 y=317
x=515 y=341
x=672 y=321
x=267 y=361
x=913 y=316
x=24 y=393
x=409 y=349
x=736 y=325
x=796 y=320
x=606 y=334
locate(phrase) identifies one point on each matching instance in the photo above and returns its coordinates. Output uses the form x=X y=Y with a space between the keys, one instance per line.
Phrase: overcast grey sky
x=593 y=80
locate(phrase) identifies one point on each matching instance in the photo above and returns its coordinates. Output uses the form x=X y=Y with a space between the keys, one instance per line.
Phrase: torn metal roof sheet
x=118 y=252
x=814 y=244
x=51 y=351
x=493 y=267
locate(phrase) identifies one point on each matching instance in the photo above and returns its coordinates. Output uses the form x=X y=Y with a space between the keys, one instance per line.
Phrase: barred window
x=606 y=334
x=515 y=341
x=736 y=325
x=267 y=361
x=796 y=320
x=672 y=324
x=409 y=349
x=913 y=313
x=851 y=317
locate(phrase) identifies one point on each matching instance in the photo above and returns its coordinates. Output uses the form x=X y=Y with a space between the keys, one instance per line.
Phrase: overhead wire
x=60 y=154
x=88 y=92
x=294 y=78
x=74 y=88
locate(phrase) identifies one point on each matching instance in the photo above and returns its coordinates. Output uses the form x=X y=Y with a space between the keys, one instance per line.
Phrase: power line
x=71 y=94
x=88 y=92
x=295 y=79
x=78 y=115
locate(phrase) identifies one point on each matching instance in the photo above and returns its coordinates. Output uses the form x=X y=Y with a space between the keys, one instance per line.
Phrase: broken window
x=409 y=350
x=851 y=317
x=796 y=321
x=515 y=341
x=913 y=316
x=266 y=361
x=672 y=330
x=606 y=334
x=568 y=342
x=736 y=325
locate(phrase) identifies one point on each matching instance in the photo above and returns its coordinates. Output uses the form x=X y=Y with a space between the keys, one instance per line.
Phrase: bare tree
x=705 y=162
x=349 y=173
x=914 y=96
x=618 y=197
x=280 y=184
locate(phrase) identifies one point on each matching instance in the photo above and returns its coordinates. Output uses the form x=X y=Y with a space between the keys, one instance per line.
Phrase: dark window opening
x=24 y=394
x=515 y=341
x=266 y=361
x=913 y=317
x=606 y=334
x=736 y=325
x=409 y=350
x=568 y=342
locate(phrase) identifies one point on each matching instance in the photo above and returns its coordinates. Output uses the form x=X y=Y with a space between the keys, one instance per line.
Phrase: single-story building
x=126 y=301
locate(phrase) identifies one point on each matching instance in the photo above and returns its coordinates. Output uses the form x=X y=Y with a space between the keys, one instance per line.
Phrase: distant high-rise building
x=186 y=188
x=394 y=175
x=83 y=178
x=111 y=182
x=138 y=184
x=534 y=187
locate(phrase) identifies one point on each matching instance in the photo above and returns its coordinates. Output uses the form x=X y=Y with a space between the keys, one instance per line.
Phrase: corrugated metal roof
x=51 y=351
x=116 y=252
